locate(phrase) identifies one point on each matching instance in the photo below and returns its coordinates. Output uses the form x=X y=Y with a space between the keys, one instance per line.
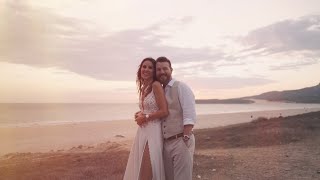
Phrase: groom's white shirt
x=186 y=98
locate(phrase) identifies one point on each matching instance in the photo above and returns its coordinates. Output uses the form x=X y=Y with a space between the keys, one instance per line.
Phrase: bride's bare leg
x=146 y=169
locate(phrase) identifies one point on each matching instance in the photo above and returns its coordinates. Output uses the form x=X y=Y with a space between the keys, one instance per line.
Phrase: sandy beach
x=228 y=146
x=39 y=138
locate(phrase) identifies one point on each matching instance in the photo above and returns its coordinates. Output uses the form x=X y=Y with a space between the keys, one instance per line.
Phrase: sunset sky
x=89 y=50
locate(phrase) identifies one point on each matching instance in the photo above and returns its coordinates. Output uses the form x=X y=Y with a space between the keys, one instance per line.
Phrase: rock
x=119 y=136
x=207 y=138
x=214 y=170
x=295 y=139
x=198 y=176
x=318 y=171
x=80 y=147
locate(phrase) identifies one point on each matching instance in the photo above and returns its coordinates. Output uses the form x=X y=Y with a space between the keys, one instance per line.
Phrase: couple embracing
x=164 y=144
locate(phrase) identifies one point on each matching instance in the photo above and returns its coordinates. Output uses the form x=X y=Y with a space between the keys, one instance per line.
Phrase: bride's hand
x=137 y=114
x=140 y=119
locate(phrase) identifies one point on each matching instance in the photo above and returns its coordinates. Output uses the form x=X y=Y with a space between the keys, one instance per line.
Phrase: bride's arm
x=162 y=105
x=161 y=102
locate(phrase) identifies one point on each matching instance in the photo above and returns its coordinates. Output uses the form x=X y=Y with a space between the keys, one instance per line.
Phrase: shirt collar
x=171 y=82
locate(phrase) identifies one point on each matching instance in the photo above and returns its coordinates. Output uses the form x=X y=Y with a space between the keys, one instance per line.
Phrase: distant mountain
x=305 y=95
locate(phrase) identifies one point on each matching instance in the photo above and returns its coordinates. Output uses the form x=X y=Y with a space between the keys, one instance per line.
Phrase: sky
x=89 y=51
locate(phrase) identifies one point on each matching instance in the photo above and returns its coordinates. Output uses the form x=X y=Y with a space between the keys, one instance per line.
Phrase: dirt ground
x=278 y=148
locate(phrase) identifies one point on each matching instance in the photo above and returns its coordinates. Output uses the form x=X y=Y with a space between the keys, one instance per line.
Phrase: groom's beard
x=163 y=79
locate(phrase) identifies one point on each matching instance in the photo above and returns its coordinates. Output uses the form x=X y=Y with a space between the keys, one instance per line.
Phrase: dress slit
x=145 y=163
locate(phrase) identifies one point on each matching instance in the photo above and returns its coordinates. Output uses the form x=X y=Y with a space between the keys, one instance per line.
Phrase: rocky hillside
x=305 y=95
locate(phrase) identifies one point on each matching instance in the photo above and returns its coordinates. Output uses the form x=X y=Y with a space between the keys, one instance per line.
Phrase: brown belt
x=173 y=137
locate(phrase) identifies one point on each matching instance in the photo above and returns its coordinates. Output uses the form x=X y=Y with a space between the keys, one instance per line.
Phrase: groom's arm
x=187 y=101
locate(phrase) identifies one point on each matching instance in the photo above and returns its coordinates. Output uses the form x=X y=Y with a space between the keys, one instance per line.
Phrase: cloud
x=302 y=34
x=294 y=43
x=38 y=37
x=294 y=65
x=226 y=82
x=34 y=36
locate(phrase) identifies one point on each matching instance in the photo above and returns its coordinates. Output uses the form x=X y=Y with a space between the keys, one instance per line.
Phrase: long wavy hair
x=139 y=79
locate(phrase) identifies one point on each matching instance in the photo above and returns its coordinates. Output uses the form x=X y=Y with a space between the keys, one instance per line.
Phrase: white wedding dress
x=150 y=133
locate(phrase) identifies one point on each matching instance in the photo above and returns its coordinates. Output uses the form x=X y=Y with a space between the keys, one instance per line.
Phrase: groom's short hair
x=163 y=59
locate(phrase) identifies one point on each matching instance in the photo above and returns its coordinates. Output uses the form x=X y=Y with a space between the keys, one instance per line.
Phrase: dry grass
x=260 y=132
x=72 y=165
x=276 y=148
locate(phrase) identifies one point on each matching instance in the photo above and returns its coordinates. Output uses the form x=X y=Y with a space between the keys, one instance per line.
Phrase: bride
x=145 y=160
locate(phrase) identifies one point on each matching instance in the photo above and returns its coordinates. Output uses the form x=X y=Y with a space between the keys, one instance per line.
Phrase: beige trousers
x=178 y=158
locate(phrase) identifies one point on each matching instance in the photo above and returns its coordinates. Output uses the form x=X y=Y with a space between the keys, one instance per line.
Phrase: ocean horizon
x=31 y=114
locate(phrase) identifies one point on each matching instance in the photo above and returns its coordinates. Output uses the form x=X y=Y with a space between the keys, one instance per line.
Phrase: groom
x=179 y=141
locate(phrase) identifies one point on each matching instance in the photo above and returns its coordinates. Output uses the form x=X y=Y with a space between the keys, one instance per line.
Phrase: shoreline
x=61 y=123
x=225 y=119
x=45 y=138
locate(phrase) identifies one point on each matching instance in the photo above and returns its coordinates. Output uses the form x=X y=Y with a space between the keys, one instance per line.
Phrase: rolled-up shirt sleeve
x=187 y=101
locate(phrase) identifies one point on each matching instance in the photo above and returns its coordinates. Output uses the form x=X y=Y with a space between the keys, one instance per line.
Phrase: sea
x=31 y=114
